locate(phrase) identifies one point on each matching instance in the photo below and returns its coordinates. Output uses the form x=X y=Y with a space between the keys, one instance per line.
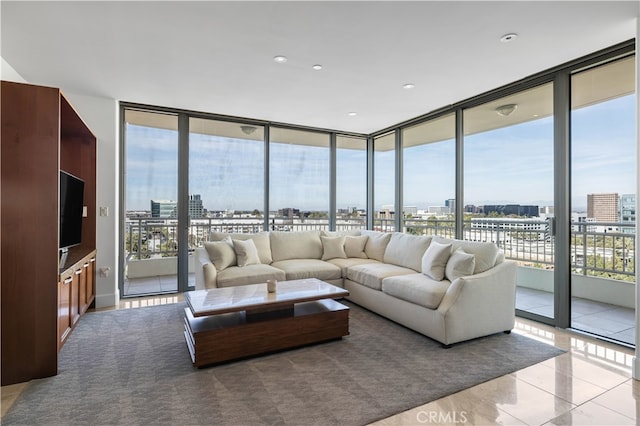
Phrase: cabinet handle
x=78 y=272
x=86 y=265
x=67 y=281
x=93 y=260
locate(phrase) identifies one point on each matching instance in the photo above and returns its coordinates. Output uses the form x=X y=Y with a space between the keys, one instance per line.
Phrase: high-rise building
x=603 y=207
x=451 y=203
x=628 y=208
x=196 y=210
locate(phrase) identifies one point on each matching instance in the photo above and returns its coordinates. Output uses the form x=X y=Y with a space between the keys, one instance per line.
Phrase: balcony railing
x=597 y=248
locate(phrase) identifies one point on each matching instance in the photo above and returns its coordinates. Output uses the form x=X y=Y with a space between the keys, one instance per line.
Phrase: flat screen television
x=71 y=207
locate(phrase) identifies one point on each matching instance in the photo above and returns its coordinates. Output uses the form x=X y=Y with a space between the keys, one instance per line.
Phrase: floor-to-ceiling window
x=509 y=187
x=226 y=178
x=299 y=170
x=384 y=158
x=351 y=183
x=429 y=177
x=150 y=164
x=603 y=170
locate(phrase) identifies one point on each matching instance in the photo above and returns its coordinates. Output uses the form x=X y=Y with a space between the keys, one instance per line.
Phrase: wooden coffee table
x=224 y=324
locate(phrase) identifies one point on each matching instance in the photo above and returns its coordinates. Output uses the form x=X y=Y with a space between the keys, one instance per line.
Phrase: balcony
x=602 y=259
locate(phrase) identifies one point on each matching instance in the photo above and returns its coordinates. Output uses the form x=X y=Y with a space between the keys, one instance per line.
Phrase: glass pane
x=429 y=181
x=226 y=178
x=298 y=180
x=603 y=148
x=151 y=191
x=508 y=188
x=384 y=166
x=351 y=183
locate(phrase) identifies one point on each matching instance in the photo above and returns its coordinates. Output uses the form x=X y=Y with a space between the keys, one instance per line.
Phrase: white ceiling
x=217 y=56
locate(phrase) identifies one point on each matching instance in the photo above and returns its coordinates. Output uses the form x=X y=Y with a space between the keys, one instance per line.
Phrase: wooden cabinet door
x=75 y=297
x=91 y=281
x=82 y=300
x=64 y=308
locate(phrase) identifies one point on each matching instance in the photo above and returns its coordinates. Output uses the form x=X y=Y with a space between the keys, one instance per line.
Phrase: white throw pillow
x=247 y=252
x=376 y=244
x=221 y=253
x=460 y=264
x=333 y=248
x=435 y=259
x=354 y=246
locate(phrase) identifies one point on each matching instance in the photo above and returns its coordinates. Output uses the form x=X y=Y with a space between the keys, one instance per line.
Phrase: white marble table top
x=245 y=297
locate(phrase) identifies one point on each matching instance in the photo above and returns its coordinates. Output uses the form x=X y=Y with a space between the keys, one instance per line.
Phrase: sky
x=511 y=165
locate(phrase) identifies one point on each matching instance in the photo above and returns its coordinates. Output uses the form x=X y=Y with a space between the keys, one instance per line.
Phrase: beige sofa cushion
x=354 y=246
x=250 y=274
x=246 y=252
x=221 y=253
x=406 y=250
x=261 y=240
x=486 y=254
x=435 y=260
x=348 y=232
x=343 y=264
x=460 y=264
x=332 y=247
x=416 y=288
x=295 y=245
x=296 y=269
x=372 y=274
x=376 y=244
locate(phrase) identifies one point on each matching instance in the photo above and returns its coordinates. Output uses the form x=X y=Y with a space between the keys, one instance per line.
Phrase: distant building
x=289 y=212
x=451 y=204
x=168 y=209
x=603 y=207
x=164 y=209
x=512 y=209
x=628 y=208
x=195 y=207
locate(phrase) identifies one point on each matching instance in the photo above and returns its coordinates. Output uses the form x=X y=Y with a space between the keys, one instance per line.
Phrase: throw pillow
x=460 y=264
x=435 y=259
x=333 y=248
x=247 y=252
x=221 y=253
x=354 y=246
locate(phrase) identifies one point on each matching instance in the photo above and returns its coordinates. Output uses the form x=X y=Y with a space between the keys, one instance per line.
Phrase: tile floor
x=589 y=385
x=610 y=321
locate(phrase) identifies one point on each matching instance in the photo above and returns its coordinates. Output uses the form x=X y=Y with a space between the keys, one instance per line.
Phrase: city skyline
x=498 y=170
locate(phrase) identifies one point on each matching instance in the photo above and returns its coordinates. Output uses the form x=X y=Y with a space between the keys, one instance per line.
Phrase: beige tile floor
x=589 y=385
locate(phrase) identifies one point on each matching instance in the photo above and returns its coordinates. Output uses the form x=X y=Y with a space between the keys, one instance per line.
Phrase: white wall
x=101 y=115
x=8 y=73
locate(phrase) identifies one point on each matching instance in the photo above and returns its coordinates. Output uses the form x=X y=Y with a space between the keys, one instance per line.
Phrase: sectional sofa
x=447 y=289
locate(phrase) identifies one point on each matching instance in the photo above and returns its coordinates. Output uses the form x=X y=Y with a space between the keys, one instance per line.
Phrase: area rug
x=132 y=367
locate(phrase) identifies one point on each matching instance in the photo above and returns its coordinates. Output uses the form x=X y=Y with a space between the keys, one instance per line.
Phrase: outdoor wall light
x=247 y=130
x=506 y=110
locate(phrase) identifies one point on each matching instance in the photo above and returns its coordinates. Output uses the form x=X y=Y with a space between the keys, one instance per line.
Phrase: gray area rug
x=132 y=367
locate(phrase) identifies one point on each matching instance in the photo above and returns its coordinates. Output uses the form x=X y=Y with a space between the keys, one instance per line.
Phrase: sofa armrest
x=487 y=296
x=205 y=271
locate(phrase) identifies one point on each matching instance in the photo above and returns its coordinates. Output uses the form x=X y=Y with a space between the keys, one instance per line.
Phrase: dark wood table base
x=224 y=337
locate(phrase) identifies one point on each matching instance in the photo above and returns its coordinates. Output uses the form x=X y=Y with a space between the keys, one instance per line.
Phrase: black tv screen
x=71 y=206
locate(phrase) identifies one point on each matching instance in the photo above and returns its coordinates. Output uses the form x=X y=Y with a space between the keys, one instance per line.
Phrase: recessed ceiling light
x=317 y=67
x=408 y=86
x=508 y=37
x=280 y=59
x=352 y=114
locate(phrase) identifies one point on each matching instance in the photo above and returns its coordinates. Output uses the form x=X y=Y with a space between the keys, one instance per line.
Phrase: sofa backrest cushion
x=486 y=254
x=295 y=245
x=376 y=244
x=406 y=250
x=261 y=240
x=348 y=232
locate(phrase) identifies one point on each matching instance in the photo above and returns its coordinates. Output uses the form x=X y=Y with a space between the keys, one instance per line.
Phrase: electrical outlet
x=104 y=211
